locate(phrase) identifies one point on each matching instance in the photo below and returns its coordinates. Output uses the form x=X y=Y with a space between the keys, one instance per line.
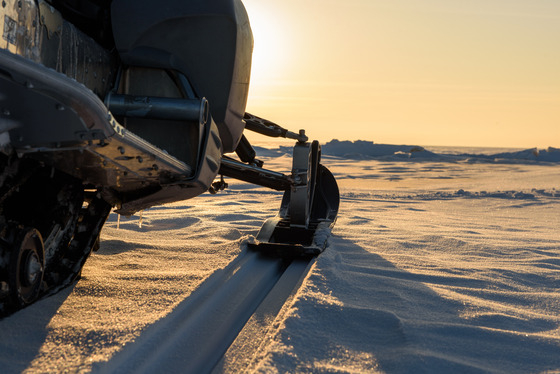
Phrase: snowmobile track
x=220 y=327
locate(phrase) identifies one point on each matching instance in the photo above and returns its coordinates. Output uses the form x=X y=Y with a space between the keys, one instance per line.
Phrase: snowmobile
x=124 y=105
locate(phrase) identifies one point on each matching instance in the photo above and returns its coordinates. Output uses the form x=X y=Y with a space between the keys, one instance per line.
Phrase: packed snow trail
x=197 y=334
x=256 y=333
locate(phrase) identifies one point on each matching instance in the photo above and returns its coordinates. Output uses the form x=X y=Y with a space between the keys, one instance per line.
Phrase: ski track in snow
x=434 y=266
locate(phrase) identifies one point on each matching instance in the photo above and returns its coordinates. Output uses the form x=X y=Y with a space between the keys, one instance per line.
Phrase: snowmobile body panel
x=90 y=144
x=36 y=31
x=209 y=41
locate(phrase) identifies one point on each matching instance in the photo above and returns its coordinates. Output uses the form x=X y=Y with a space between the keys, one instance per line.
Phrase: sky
x=430 y=72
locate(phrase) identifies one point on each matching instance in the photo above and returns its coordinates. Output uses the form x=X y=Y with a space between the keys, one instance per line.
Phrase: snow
x=441 y=261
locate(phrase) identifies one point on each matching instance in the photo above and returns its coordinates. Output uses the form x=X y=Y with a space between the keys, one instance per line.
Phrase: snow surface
x=440 y=261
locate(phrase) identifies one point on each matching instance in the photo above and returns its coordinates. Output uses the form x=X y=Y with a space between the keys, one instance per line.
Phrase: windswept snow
x=442 y=260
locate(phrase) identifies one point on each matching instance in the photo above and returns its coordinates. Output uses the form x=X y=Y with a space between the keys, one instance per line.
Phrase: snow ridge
x=367 y=150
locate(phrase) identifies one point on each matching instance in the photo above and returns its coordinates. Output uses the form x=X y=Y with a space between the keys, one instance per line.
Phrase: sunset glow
x=477 y=73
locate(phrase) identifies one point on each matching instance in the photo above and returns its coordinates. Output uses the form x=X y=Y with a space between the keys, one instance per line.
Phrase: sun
x=271 y=42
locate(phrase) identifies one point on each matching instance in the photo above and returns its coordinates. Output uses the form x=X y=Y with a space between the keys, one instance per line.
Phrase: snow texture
x=441 y=261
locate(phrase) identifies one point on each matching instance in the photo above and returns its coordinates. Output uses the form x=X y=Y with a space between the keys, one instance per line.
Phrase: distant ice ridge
x=362 y=149
x=366 y=150
x=550 y=154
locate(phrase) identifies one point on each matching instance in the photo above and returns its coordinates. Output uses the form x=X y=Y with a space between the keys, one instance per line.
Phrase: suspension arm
x=256 y=175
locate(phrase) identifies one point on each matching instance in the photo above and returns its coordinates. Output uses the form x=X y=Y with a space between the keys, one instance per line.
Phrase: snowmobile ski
x=309 y=206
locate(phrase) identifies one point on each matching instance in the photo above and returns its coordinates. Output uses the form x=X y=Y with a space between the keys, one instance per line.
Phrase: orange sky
x=430 y=72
